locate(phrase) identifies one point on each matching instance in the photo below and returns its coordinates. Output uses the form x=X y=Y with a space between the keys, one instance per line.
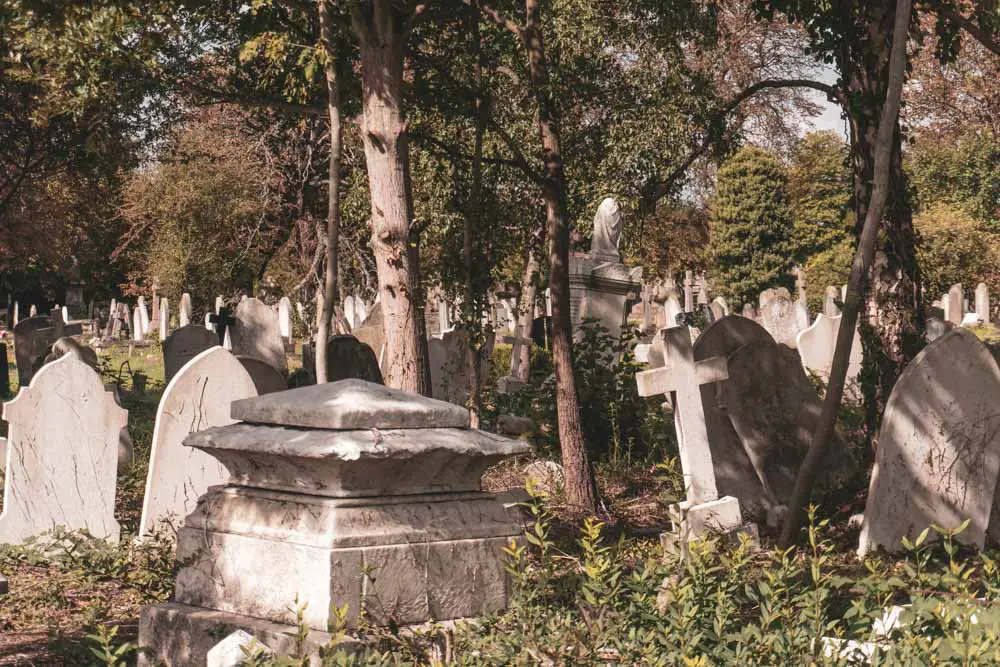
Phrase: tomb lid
x=350 y=405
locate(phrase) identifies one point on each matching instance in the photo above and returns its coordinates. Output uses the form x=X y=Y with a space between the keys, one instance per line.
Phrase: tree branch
x=245 y=99
x=495 y=16
x=970 y=27
x=455 y=153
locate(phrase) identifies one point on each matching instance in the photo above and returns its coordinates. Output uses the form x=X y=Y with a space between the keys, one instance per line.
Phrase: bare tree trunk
x=579 y=479
x=330 y=293
x=382 y=34
x=884 y=146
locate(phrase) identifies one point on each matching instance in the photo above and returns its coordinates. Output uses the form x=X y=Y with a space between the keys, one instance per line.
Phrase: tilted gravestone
x=62 y=454
x=197 y=397
x=938 y=455
x=183 y=345
x=266 y=377
x=32 y=338
x=257 y=333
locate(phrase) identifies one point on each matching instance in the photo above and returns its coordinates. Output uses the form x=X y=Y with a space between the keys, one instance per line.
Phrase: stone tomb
x=257 y=333
x=345 y=493
x=938 y=457
x=183 y=345
x=62 y=454
x=197 y=397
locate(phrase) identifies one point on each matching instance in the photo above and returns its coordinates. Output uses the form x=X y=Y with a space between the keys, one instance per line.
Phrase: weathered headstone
x=266 y=377
x=938 y=456
x=138 y=330
x=143 y=315
x=186 y=311
x=183 y=345
x=519 y=371
x=62 y=454
x=983 y=303
x=782 y=317
x=285 y=318
x=953 y=302
x=688 y=292
x=257 y=333
x=197 y=397
x=816 y=346
x=164 y=310
x=830 y=307
x=155 y=315
x=329 y=482
x=749 y=312
x=372 y=333
x=31 y=339
x=33 y=311
x=672 y=309
x=720 y=308
x=449 y=365
x=348 y=358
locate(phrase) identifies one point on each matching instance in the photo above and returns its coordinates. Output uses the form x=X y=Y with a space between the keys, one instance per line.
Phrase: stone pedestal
x=599 y=286
x=347 y=493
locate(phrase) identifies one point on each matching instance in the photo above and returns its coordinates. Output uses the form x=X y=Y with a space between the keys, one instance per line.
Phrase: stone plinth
x=599 y=289
x=347 y=493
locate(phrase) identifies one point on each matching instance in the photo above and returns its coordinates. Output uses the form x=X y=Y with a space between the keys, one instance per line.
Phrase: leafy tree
x=962 y=172
x=750 y=224
x=954 y=248
x=819 y=191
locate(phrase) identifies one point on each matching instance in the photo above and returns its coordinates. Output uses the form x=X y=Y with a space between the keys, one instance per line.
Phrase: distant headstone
x=164 y=311
x=935 y=328
x=155 y=316
x=33 y=311
x=266 y=377
x=938 y=456
x=372 y=333
x=347 y=358
x=62 y=454
x=256 y=333
x=17 y=315
x=219 y=303
x=953 y=305
x=816 y=346
x=781 y=316
x=983 y=303
x=672 y=309
x=720 y=308
x=830 y=307
x=196 y=398
x=143 y=316
x=186 y=310
x=749 y=312
x=138 y=330
x=688 y=292
x=183 y=345
x=32 y=338
x=285 y=318
x=450 y=368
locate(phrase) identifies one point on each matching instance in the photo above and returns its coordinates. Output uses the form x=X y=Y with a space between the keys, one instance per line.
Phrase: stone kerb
x=345 y=493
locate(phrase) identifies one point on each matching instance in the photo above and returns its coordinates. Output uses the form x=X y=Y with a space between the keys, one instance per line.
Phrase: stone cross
x=682 y=375
x=983 y=302
x=223 y=319
x=688 y=292
x=517 y=340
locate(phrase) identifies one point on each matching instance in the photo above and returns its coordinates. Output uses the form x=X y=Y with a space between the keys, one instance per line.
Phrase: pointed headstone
x=164 y=312
x=185 y=314
x=62 y=454
x=197 y=397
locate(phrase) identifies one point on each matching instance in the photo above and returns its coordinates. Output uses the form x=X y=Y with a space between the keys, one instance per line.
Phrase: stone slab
x=257 y=333
x=62 y=455
x=781 y=316
x=350 y=404
x=816 y=346
x=938 y=457
x=183 y=345
x=196 y=398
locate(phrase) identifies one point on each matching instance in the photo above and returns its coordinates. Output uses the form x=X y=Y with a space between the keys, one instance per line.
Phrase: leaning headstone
x=62 y=454
x=197 y=397
x=938 y=455
x=285 y=318
x=31 y=339
x=348 y=358
x=817 y=344
x=186 y=310
x=781 y=316
x=256 y=333
x=983 y=303
x=183 y=345
x=329 y=482
x=266 y=377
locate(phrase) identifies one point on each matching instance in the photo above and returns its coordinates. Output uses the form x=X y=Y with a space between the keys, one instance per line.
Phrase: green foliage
x=829 y=267
x=963 y=173
x=750 y=226
x=954 y=248
x=820 y=195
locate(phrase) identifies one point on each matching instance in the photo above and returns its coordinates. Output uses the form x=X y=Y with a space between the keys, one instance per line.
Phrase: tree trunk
x=382 y=39
x=892 y=330
x=526 y=308
x=330 y=292
x=579 y=479
x=885 y=145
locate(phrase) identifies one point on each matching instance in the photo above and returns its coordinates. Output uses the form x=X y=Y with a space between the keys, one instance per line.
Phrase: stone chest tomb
x=347 y=493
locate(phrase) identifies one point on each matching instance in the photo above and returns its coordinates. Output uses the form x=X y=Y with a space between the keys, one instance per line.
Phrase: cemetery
x=461 y=333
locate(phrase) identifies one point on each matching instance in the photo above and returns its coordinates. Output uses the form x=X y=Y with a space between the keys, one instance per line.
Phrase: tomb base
x=510 y=385
x=716 y=518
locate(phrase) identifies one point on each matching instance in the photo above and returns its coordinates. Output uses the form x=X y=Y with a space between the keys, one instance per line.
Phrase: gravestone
x=348 y=358
x=952 y=303
x=138 y=330
x=327 y=483
x=830 y=307
x=186 y=311
x=143 y=316
x=17 y=315
x=164 y=318
x=816 y=346
x=285 y=318
x=33 y=311
x=938 y=456
x=782 y=317
x=155 y=316
x=749 y=312
x=62 y=454
x=672 y=309
x=372 y=333
x=983 y=303
x=720 y=308
x=197 y=397
x=449 y=365
x=256 y=333
x=183 y=345
x=32 y=338
x=266 y=378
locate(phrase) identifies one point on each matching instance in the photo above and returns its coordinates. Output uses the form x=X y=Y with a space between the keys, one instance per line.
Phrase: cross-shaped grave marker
x=517 y=341
x=222 y=320
x=682 y=375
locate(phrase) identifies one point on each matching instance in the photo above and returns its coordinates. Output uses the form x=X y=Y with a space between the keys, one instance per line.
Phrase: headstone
x=749 y=312
x=688 y=292
x=197 y=397
x=257 y=333
x=349 y=358
x=720 y=307
x=209 y=325
x=58 y=323
x=782 y=317
x=266 y=377
x=65 y=314
x=219 y=303
x=143 y=316
x=17 y=315
x=62 y=454
x=983 y=303
x=952 y=302
x=816 y=346
x=156 y=316
x=285 y=318
x=519 y=372
x=31 y=339
x=372 y=333
x=449 y=365
x=33 y=311
x=183 y=345
x=186 y=310
x=138 y=330
x=374 y=480
x=938 y=455
x=672 y=309
x=830 y=307
x=164 y=312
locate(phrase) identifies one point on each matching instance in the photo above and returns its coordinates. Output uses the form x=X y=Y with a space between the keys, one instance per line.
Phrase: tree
x=750 y=226
x=955 y=248
x=819 y=192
